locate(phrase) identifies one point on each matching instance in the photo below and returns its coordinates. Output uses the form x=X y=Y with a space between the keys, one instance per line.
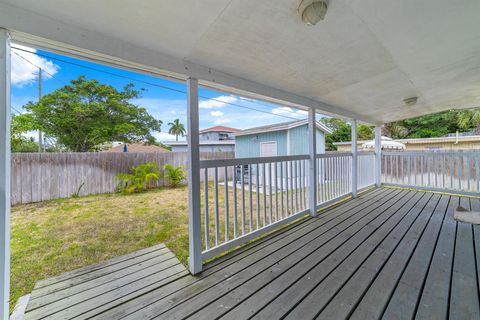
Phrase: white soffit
x=361 y=61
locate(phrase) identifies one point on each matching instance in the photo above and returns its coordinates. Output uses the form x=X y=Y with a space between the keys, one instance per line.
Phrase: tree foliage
x=342 y=132
x=428 y=126
x=18 y=142
x=176 y=129
x=85 y=114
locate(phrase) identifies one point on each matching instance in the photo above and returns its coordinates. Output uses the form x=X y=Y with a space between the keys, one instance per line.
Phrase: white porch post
x=312 y=143
x=194 y=227
x=378 y=156
x=4 y=172
x=354 y=158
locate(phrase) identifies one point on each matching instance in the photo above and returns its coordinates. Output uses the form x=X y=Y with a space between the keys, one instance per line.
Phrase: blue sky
x=161 y=103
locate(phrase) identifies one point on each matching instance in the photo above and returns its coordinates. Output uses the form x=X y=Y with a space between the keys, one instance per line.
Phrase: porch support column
x=354 y=158
x=312 y=143
x=4 y=172
x=378 y=156
x=194 y=227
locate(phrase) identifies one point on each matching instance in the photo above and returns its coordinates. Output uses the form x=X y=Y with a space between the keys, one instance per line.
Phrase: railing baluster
x=451 y=172
x=242 y=183
x=250 y=200
x=270 y=190
x=235 y=213
x=217 y=226
x=443 y=171
x=276 y=191
x=282 y=205
x=287 y=185
x=264 y=189
x=257 y=179
x=468 y=171
x=290 y=174
x=459 y=162
x=206 y=217
x=227 y=214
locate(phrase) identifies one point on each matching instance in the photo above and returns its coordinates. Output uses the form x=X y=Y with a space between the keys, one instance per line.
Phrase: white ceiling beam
x=45 y=33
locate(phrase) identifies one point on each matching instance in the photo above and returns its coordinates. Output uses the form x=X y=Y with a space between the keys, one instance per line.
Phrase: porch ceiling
x=361 y=61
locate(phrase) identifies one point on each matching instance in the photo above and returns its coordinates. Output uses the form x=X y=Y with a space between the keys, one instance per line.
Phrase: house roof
x=220 y=129
x=138 y=147
x=422 y=140
x=360 y=62
x=281 y=126
x=202 y=143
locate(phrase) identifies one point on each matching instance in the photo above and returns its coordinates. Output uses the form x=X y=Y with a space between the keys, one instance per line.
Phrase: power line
x=150 y=83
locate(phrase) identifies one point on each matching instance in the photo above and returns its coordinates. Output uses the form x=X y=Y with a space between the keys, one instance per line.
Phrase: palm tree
x=176 y=128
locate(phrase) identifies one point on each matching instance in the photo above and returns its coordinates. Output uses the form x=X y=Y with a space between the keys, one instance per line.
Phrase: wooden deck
x=390 y=253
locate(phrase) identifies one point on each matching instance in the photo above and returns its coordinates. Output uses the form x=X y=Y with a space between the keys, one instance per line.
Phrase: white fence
x=453 y=171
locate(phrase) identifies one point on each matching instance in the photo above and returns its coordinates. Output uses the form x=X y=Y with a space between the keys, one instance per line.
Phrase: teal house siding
x=292 y=141
x=248 y=146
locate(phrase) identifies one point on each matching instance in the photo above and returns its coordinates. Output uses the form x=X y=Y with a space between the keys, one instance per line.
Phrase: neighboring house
x=425 y=144
x=205 y=146
x=218 y=133
x=288 y=138
x=137 y=147
x=214 y=139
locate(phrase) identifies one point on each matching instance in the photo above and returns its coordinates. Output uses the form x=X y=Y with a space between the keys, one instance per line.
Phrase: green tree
x=341 y=132
x=469 y=119
x=18 y=142
x=85 y=114
x=176 y=129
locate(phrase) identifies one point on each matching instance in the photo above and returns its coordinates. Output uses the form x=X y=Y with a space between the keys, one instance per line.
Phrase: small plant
x=139 y=179
x=175 y=175
x=76 y=194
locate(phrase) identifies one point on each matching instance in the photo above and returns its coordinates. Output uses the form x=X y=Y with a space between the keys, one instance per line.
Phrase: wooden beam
x=4 y=172
x=194 y=220
x=312 y=143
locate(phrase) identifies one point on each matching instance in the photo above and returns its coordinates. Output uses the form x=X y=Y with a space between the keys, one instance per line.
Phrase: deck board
x=389 y=253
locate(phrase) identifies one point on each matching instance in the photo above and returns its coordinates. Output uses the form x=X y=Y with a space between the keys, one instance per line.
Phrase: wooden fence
x=44 y=176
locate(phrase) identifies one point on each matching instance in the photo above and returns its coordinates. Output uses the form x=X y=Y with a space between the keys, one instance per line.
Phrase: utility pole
x=40 y=138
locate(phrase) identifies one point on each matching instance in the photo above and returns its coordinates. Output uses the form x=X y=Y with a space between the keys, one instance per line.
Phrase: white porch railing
x=251 y=196
x=454 y=171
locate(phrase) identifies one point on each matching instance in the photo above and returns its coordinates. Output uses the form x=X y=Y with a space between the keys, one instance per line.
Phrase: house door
x=267 y=149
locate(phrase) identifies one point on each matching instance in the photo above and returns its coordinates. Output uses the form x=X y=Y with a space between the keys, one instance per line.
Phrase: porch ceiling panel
x=362 y=60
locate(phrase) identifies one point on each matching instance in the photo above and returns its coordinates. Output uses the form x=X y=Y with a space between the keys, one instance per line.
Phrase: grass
x=52 y=237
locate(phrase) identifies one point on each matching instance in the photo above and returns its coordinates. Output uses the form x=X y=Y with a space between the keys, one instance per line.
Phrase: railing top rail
x=433 y=153
x=243 y=161
x=333 y=155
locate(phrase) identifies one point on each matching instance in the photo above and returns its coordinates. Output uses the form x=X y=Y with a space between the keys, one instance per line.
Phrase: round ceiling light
x=313 y=11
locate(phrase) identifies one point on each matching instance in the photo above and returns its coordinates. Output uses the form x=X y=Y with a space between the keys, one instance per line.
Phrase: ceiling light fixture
x=410 y=101
x=313 y=11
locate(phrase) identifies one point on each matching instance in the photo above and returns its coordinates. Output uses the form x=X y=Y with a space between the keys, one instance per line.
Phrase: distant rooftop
x=421 y=140
x=281 y=126
x=220 y=129
x=202 y=143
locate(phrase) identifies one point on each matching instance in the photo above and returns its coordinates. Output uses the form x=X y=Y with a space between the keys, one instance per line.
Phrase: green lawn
x=49 y=238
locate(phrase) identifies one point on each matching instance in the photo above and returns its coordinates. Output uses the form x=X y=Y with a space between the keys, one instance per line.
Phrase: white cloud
x=222 y=121
x=216 y=113
x=24 y=72
x=165 y=136
x=287 y=111
x=219 y=102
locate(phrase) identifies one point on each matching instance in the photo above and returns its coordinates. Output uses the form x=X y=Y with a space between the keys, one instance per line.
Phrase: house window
x=268 y=149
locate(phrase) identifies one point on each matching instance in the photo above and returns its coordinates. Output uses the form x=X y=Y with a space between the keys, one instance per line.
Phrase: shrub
x=175 y=175
x=139 y=179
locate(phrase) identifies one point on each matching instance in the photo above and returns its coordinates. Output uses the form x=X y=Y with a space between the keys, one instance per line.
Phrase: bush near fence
x=45 y=176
